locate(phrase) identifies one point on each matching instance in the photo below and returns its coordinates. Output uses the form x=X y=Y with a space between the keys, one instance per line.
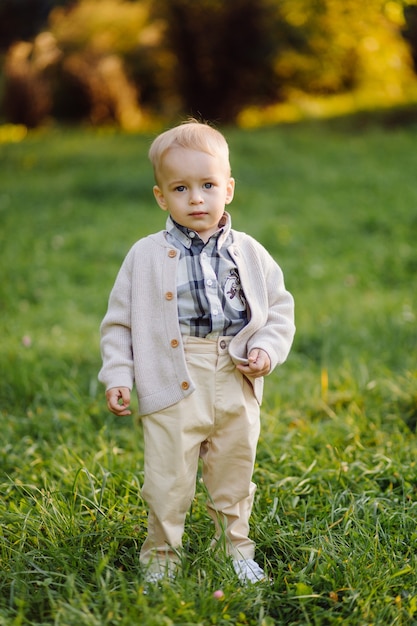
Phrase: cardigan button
x=172 y=253
x=169 y=295
x=185 y=385
x=175 y=343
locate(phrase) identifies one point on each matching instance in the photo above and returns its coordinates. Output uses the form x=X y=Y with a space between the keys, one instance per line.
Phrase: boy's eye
x=180 y=188
x=208 y=185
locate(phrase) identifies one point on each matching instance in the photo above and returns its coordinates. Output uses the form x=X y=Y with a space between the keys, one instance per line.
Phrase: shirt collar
x=187 y=236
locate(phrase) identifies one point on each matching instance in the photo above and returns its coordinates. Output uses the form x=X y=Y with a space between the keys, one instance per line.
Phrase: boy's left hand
x=259 y=364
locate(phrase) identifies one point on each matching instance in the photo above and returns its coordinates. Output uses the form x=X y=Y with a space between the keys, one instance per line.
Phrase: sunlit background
x=136 y=64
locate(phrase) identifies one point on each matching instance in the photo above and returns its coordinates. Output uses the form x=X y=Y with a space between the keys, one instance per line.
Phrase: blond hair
x=192 y=135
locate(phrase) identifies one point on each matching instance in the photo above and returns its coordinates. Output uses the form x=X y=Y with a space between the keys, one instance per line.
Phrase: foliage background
x=135 y=63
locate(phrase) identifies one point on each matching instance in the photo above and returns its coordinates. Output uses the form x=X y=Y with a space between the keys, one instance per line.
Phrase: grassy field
x=336 y=507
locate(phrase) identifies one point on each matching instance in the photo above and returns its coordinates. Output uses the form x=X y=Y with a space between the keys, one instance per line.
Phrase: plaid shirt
x=211 y=301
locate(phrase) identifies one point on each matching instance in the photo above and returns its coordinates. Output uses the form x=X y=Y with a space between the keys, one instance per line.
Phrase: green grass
x=336 y=507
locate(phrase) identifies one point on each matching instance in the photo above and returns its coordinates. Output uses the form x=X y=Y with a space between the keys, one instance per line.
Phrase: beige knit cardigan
x=140 y=336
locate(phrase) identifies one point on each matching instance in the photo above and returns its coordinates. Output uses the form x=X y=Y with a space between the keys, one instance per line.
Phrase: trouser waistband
x=219 y=345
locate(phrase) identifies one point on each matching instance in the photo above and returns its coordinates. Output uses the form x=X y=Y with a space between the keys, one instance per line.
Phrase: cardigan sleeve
x=277 y=334
x=271 y=320
x=116 y=340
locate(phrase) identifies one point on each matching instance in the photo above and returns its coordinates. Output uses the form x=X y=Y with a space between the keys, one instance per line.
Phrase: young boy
x=198 y=315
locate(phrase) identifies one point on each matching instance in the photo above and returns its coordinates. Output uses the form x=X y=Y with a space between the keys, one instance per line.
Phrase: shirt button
x=223 y=344
x=174 y=343
x=185 y=385
x=209 y=282
x=172 y=253
x=169 y=295
x=215 y=312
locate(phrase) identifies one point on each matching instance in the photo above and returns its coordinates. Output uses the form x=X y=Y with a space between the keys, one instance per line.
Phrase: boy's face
x=194 y=187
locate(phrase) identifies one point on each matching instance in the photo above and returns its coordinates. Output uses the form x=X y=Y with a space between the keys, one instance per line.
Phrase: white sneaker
x=152 y=578
x=248 y=571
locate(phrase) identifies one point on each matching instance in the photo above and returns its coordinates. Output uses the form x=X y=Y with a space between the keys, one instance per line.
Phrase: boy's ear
x=159 y=197
x=230 y=190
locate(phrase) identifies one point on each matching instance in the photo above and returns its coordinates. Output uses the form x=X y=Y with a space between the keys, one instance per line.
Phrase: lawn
x=336 y=506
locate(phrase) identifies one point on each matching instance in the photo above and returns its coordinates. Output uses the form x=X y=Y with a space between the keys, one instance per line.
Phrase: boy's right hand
x=118 y=400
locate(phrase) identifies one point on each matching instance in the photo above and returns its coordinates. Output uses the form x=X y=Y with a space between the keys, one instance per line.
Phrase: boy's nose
x=195 y=197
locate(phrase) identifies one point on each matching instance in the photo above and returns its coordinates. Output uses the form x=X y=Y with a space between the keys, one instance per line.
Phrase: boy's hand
x=118 y=400
x=259 y=364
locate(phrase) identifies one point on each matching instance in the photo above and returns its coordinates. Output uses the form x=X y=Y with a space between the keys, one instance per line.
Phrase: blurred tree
x=350 y=43
x=221 y=55
x=96 y=37
x=89 y=33
x=28 y=98
x=330 y=62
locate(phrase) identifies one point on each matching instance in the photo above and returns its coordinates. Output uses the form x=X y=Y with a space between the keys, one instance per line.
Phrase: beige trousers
x=218 y=423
